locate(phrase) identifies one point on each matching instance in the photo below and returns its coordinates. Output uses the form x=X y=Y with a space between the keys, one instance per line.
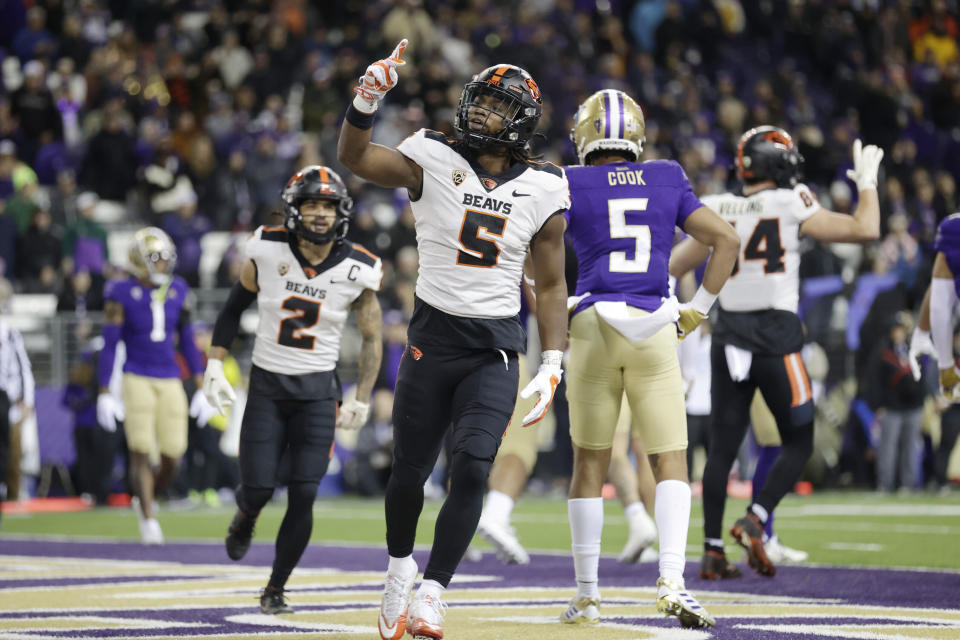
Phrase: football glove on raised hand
x=216 y=387
x=544 y=383
x=688 y=321
x=920 y=344
x=353 y=414
x=380 y=77
x=109 y=411
x=866 y=164
x=950 y=383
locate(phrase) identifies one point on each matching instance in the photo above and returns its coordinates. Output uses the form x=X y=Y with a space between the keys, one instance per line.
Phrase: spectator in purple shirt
x=187 y=228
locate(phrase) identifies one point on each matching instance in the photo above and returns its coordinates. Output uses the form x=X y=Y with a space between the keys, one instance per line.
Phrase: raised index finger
x=398 y=52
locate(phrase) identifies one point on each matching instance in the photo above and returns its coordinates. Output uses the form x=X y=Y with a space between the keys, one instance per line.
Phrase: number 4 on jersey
x=764 y=244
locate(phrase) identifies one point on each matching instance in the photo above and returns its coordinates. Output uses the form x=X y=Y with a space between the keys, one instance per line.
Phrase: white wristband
x=551 y=357
x=703 y=300
x=215 y=366
x=365 y=106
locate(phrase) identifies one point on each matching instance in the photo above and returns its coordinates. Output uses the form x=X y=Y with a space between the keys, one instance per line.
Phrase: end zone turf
x=61 y=589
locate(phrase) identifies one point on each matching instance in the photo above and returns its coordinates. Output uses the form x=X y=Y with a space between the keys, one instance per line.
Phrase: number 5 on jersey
x=480 y=251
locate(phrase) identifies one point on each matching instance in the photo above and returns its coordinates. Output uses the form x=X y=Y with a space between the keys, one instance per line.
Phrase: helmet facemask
x=500 y=92
x=316 y=182
x=152 y=247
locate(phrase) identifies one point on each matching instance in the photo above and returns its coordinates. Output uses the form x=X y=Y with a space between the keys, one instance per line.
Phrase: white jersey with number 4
x=302 y=307
x=767 y=273
x=473 y=229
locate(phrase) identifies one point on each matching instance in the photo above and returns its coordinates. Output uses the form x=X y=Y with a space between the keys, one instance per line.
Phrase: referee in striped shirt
x=16 y=392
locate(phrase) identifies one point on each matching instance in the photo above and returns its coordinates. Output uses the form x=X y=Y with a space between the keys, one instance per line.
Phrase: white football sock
x=401 y=566
x=586 y=528
x=431 y=588
x=498 y=506
x=672 y=510
x=632 y=509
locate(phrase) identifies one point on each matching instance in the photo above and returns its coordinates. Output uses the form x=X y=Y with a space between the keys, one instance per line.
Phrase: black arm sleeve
x=228 y=322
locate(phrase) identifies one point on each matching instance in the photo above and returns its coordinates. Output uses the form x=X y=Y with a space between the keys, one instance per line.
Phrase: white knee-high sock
x=498 y=506
x=586 y=528
x=672 y=510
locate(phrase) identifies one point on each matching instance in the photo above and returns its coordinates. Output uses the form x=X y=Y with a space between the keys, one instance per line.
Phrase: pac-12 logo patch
x=415 y=352
x=459 y=175
x=282 y=268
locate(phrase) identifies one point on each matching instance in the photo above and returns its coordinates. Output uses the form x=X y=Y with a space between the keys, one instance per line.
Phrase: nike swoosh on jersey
x=519 y=195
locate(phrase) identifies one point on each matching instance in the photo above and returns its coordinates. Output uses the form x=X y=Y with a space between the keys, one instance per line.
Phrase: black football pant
x=475 y=391
x=785 y=387
x=288 y=441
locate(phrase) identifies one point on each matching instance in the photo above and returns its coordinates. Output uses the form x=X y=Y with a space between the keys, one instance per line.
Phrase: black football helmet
x=316 y=182
x=517 y=101
x=768 y=153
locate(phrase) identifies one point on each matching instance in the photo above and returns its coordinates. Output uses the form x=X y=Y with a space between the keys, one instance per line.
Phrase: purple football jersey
x=147 y=334
x=948 y=242
x=622 y=221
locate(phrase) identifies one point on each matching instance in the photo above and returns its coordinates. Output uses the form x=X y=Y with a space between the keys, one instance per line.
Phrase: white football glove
x=920 y=344
x=380 y=77
x=866 y=164
x=201 y=409
x=109 y=411
x=545 y=383
x=353 y=414
x=216 y=387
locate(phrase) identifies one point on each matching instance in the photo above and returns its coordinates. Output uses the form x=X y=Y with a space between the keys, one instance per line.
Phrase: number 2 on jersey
x=617 y=210
x=764 y=244
x=306 y=314
x=478 y=251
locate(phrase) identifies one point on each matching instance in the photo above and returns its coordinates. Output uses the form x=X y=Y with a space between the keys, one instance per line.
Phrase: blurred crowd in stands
x=191 y=115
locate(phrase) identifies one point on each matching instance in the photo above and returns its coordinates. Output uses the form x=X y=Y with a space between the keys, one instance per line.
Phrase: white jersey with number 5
x=302 y=307
x=767 y=273
x=473 y=229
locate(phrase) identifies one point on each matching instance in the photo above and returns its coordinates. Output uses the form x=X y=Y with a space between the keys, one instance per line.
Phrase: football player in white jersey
x=479 y=202
x=758 y=335
x=306 y=280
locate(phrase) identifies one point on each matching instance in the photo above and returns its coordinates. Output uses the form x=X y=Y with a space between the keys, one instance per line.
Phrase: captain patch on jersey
x=303 y=308
x=474 y=228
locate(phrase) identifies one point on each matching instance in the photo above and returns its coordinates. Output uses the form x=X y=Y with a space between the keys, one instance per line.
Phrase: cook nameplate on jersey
x=302 y=308
x=473 y=231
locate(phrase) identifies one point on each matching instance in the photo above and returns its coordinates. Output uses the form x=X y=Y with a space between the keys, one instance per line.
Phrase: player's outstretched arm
x=379 y=164
x=943 y=299
x=549 y=257
x=353 y=413
x=712 y=231
x=864 y=224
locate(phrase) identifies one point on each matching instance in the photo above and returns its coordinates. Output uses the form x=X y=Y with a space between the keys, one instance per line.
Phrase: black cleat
x=239 y=534
x=273 y=602
x=715 y=566
x=748 y=532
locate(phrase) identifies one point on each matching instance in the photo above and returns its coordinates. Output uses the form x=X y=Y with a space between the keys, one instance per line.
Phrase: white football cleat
x=392 y=621
x=425 y=617
x=781 y=553
x=643 y=533
x=150 y=532
x=503 y=539
x=673 y=599
x=582 y=610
